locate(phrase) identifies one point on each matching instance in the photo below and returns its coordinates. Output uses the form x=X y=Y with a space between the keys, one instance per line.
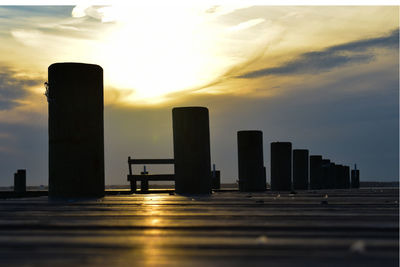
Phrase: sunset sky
x=324 y=78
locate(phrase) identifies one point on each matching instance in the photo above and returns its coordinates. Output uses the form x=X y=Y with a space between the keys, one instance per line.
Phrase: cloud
x=331 y=57
x=102 y=13
x=13 y=88
x=246 y=24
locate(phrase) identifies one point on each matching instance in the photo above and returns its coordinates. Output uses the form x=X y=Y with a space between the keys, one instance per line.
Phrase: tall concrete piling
x=326 y=164
x=20 y=181
x=300 y=169
x=355 y=178
x=251 y=161
x=76 y=131
x=347 y=177
x=191 y=135
x=281 y=166
x=315 y=172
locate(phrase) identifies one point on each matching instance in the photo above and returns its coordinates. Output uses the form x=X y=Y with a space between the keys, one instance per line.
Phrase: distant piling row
x=309 y=172
x=76 y=146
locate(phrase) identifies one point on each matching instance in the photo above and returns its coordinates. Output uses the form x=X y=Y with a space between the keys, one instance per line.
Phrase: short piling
x=20 y=181
x=315 y=172
x=300 y=169
x=281 y=166
x=191 y=135
x=251 y=161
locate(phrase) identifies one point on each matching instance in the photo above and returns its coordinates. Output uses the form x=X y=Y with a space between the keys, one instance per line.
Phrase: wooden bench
x=144 y=177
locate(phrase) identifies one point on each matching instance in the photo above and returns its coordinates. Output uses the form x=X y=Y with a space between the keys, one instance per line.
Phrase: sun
x=168 y=52
x=156 y=52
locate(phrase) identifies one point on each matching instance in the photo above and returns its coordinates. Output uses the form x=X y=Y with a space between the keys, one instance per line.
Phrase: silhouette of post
x=315 y=172
x=355 y=178
x=281 y=166
x=326 y=164
x=216 y=180
x=251 y=161
x=331 y=176
x=144 y=184
x=347 y=177
x=191 y=136
x=340 y=184
x=300 y=169
x=76 y=132
x=20 y=181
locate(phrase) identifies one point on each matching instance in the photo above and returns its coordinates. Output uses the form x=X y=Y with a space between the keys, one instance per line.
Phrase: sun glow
x=152 y=53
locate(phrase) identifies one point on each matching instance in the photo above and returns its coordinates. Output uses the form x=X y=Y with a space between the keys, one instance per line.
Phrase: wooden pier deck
x=310 y=228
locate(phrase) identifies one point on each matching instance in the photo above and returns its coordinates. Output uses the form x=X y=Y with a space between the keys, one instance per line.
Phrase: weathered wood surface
x=354 y=228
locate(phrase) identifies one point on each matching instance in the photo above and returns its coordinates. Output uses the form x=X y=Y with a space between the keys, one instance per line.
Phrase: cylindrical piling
x=340 y=183
x=216 y=179
x=281 y=166
x=76 y=132
x=315 y=172
x=191 y=136
x=300 y=169
x=20 y=181
x=326 y=164
x=355 y=178
x=347 y=177
x=331 y=176
x=251 y=161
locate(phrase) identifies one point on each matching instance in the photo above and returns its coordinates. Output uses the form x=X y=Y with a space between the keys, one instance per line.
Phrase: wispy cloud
x=13 y=88
x=246 y=24
x=331 y=57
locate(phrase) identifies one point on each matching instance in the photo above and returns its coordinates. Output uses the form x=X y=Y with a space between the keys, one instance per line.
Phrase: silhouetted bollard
x=355 y=178
x=251 y=161
x=191 y=150
x=331 y=176
x=281 y=166
x=20 y=181
x=300 y=169
x=340 y=180
x=326 y=164
x=76 y=135
x=315 y=172
x=347 y=177
x=144 y=184
x=216 y=180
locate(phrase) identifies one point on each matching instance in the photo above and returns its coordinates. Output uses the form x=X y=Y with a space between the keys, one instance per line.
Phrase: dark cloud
x=12 y=87
x=332 y=57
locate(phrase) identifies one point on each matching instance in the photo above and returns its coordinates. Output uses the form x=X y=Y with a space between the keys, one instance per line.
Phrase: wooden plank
x=354 y=228
x=151 y=161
